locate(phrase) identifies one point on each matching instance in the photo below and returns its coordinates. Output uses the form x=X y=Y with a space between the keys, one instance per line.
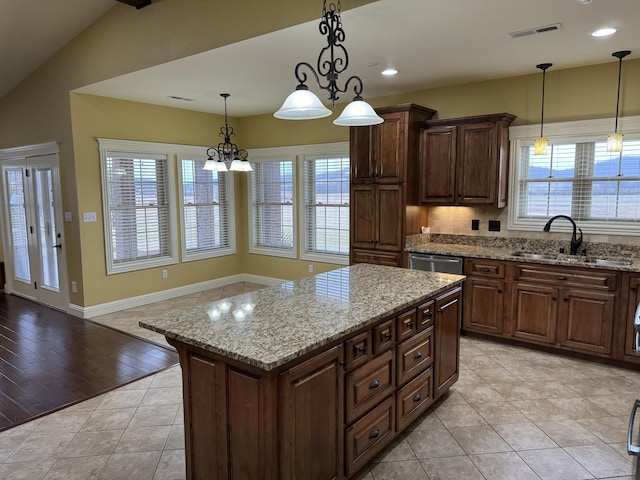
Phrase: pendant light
x=227 y=151
x=333 y=59
x=614 y=140
x=540 y=145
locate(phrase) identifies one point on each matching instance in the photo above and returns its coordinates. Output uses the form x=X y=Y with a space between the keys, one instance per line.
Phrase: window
x=577 y=177
x=206 y=207
x=137 y=202
x=271 y=212
x=325 y=230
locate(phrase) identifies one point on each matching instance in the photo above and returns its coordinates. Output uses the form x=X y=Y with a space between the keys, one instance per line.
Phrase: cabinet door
x=632 y=305
x=476 y=168
x=388 y=140
x=534 y=312
x=362 y=168
x=447 y=341
x=483 y=305
x=363 y=216
x=586 y=320
x=312 y=444
x=389 y=221
x=437 y=164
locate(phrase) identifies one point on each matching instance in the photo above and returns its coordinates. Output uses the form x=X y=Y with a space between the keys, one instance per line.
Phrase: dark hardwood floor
x=49 y=360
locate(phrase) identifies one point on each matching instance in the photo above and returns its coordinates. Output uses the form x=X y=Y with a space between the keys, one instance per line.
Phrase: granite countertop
x=272 y=326
x=506 y=252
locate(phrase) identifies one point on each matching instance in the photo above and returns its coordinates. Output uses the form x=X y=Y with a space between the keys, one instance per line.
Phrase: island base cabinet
x=312 y=406
x=447 y=341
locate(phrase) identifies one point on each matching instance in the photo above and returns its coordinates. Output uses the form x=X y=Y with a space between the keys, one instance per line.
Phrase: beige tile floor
x=515 y=413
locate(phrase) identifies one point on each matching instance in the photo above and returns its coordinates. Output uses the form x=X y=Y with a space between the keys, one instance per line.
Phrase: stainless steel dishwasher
x=435 y=263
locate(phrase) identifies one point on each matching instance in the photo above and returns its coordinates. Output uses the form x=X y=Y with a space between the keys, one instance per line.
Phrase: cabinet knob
x=374 y=433
x=428 y=314
x=374 y=384
x=417 y=398
x=409 y=325
x=387 y=336
x=561 y=277
x=417 y=355
x=485 y=269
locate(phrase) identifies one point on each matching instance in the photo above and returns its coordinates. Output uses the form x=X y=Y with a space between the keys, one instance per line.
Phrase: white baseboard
x=132 y=302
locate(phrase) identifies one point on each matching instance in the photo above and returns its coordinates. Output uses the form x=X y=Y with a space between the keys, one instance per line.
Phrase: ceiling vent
x=137 y=3
x=533 y=31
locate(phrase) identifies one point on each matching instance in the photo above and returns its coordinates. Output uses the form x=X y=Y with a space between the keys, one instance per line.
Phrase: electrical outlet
x=74 y=287
x=89 y=216
x=494 y=225
x=475 y=224
x=310 y=268
x=165 y=273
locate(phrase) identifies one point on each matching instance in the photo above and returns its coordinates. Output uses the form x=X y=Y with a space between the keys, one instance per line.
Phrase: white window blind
x=326 y=208
x=208 y=219
x=272 y=225
x=579 y=178
x=137 y=211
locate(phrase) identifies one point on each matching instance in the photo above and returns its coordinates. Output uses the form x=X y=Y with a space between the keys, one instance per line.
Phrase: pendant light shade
x=540 y=145
x=332 y=61
x=614 y=140
x=227 y=151
x=358 y=114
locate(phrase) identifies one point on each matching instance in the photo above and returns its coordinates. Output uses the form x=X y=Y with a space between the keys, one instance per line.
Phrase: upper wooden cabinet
x=464 y=161
x=384 y=181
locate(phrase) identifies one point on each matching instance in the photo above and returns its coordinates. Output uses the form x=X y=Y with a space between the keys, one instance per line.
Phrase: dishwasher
x=435 y=263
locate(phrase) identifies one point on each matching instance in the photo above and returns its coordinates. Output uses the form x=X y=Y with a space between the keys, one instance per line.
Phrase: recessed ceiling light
x=604 y=32
x=390 y=71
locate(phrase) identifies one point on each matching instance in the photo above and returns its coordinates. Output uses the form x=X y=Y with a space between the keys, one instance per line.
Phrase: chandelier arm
x=302 y=76
x=357 y=88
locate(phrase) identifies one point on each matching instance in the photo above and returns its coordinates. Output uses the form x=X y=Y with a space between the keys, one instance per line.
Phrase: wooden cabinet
x=534 y=312
x=464 y=161
x=446 y=364
x=632 y=293
x=484 y=296
x=384 y=183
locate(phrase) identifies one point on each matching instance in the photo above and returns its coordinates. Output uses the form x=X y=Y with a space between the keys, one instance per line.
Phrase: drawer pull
x=374 y=433
x=374 y=257
x=388 y=336
x=417 y=398
x=409 y=325
x=362 y=350
x=374 y=384
x=417 y=355
x=485 y=269
x=561 y=277
x=428 y=314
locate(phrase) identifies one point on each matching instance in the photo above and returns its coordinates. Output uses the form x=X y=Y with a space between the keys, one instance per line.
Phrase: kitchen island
x=311 y=378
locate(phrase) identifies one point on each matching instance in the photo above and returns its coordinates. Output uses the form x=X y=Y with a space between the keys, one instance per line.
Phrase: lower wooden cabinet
x=534 y=312
x=484 y=305
x=446 y=363
x=632 y=291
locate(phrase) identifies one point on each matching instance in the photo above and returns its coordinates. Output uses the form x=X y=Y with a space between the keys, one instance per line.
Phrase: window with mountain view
x=581 y=179
x=326 y=208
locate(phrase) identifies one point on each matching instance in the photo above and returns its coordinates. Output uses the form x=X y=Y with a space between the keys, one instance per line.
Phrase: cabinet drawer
x=484 y=268
x=415 y=355
x=358 y=350
x=368 y=384
x=407 y=324
x=369 y=435
x=384 y=337
x=570 y=277
x=414 y=398
x=392 y=259
x=425 y=315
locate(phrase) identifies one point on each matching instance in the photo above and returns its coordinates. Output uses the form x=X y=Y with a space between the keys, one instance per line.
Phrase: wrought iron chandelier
x=540 y=145
x=333 y=60
x=614 y=140
x=227 y=151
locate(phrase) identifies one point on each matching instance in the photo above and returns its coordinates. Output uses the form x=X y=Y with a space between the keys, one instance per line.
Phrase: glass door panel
x=18 y=223
x=47 y=238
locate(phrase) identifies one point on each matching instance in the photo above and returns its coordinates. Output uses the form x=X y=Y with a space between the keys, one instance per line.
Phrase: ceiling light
x=614 y=140
x=389 y=72
x=227 y=151
x=540 y=145
x=333 y=59
x=604 y=32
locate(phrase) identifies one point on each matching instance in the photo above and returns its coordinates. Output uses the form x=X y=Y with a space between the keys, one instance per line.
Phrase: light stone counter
x=272 y=326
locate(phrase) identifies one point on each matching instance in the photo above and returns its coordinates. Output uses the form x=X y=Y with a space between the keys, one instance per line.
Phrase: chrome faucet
x=575 y=240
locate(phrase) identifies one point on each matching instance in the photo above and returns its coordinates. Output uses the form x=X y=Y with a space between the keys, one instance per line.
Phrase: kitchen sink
x=605 y=261
x=534 y=256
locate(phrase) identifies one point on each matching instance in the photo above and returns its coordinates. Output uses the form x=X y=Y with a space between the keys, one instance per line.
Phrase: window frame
x=559 y=133
x=228 y=177
x=141 y=148
x=323 y=151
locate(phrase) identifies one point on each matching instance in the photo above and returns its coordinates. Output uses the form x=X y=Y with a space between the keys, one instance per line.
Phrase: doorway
x=32 y=228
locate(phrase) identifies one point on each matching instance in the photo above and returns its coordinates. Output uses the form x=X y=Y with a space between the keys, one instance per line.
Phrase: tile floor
x=514 y=414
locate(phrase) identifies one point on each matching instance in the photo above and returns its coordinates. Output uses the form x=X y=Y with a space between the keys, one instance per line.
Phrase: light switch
x=68 y=217
x=89 y=216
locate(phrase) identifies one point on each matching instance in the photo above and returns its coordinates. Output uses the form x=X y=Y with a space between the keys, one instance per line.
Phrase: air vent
x=184 y=99
x=533 y=31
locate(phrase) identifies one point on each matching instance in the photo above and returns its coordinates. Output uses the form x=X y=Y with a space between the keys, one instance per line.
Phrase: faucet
x=575 y=240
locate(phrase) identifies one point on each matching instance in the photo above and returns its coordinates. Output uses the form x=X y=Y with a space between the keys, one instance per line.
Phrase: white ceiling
x=431 y=42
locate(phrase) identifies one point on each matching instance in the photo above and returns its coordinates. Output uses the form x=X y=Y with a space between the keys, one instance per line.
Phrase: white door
x=32 y=228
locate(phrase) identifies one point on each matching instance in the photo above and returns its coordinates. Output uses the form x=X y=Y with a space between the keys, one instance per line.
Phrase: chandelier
x=333 y=60
x=227 y=151
x=614 y=140
x=540 y=145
